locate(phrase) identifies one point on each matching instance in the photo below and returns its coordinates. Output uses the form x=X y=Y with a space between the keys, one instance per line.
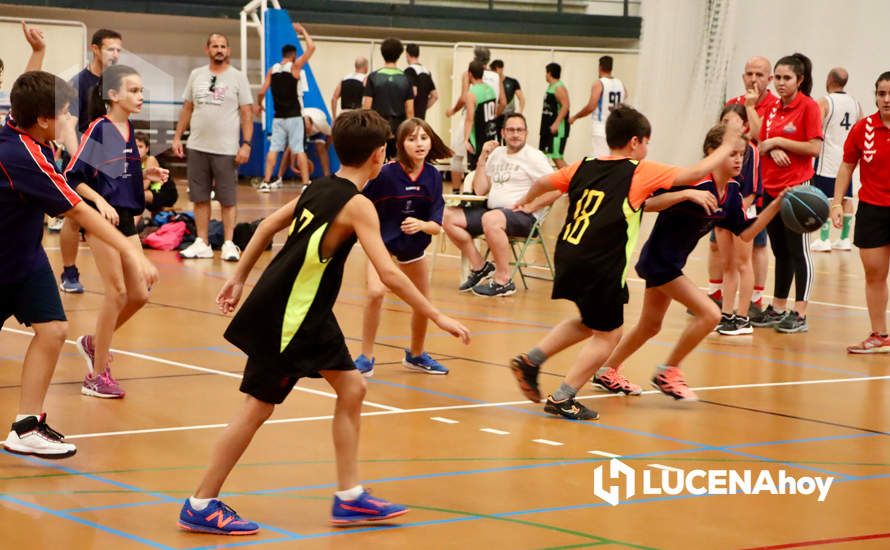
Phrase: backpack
x=167 y=237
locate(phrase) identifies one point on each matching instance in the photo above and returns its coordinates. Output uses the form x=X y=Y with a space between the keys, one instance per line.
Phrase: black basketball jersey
x=351 y=89
x=285 y=97
x=422 y=80
x=600 y=231
x=288 y=316
x=485 y=126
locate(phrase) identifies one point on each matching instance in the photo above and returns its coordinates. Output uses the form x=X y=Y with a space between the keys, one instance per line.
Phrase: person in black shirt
x=287 y=126
x=348 y=93
x=425 y=93
x=389 y=92
x=512 y=94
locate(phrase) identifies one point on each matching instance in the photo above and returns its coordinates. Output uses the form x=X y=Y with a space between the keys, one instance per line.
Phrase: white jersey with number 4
x=843 y=113
x=613 y=94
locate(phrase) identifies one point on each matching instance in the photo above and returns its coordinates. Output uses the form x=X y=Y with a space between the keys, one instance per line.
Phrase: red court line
x=801 y=544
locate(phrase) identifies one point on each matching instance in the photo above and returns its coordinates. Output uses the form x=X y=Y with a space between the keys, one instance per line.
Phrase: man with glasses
x=216 y=101
x=505 y=173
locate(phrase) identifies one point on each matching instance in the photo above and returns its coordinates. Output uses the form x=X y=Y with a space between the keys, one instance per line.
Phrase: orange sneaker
x=669 y=380
x=875 y=343
x=611 y=380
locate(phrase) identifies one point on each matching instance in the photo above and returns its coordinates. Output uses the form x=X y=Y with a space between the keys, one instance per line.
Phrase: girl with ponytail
x=790 y=137
x=107 y=172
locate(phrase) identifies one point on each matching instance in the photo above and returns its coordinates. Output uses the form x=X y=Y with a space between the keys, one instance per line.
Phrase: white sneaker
x=32 y=436
x=55 y=224
x=276 y=184
x=230 y=252
x=263 y=187
x=198 y=249
x=842 y=244
x=820 y=246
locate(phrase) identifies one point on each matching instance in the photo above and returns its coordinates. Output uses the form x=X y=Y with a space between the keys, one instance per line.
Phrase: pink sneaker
x=611 y=380
x=669 y=380
x=102 y=385
x=875 y=343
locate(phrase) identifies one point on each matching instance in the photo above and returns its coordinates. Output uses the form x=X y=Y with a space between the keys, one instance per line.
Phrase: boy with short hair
x=606 y=197
x=288 y=330
x=31 y=185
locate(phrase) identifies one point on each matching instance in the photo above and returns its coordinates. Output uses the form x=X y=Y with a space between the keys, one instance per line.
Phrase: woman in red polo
x=790 y=137
x=868 y=144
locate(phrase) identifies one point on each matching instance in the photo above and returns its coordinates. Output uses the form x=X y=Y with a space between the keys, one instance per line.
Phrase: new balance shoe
x=768 y=318
x=364 y=508
x=842 y=244
x=196 y=250
x=477 y=276
x=102 y=385
x=217 y=518
x=70 y=281
x=365 y=365
x=32 y=436
x=527 y=376
x=726 y=322
x=820 y=246
x=611 y=380
x=669 y=381
x=423 y=363
x=738 y=325
x=792 y=323
x=230 y=252
x=875 y=343
x=569 y=408
x=493 y=288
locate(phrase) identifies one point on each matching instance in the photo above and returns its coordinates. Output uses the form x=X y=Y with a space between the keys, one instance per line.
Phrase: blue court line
x=82 y=521
x=114 y=506
x=805 y=440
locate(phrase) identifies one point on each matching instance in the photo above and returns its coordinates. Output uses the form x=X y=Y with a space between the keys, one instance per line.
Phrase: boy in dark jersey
x=606 y=196
x=389 y=92
x=288 y=330
x=554 y=117
x=30 y=186
x=480 y=124
x=680 y=225
x=425 y=93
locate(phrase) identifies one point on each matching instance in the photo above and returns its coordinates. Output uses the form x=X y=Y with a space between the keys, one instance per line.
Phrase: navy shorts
x=34 y=299
x=759 y=239
x=519 y=224
x=126 y=217
x=826 y=185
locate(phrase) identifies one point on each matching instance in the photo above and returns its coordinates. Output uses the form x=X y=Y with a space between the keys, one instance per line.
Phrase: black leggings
x=792 y=253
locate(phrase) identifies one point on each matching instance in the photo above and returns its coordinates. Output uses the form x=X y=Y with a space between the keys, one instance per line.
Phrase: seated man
x=504 y=174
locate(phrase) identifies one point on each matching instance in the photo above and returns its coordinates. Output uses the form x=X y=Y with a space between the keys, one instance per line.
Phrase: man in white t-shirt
x=504 y=174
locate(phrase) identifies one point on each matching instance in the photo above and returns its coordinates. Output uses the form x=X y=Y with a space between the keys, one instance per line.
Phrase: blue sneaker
x=217 y=519
x=423 y=363
x=365 y=365
x=71 y=281
x=364 y=508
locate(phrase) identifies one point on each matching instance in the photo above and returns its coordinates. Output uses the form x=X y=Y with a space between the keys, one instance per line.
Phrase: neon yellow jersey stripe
x=305 y=288
x=633 y=218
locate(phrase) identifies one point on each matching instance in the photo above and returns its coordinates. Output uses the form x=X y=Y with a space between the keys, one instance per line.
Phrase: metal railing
x=589 y=7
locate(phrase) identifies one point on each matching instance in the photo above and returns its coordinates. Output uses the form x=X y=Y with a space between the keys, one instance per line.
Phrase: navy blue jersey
x=83 y=82
x=749 y=178
x=396 y=197
x=679 y=228
x=109 y=163
x=30 y=185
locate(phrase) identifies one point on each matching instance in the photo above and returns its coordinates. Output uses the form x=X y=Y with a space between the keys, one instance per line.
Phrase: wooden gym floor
x=479 y=466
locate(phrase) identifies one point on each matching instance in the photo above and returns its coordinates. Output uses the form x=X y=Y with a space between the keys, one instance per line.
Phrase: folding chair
x=520 y=245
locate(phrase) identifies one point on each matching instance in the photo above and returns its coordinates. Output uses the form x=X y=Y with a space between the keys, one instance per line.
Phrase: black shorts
x=826 y=185
x=270 y=382
x=126 y=219
x=872 y=228
x=602 y=310
x=519 y=224
x=554 y=146
x=35 y=299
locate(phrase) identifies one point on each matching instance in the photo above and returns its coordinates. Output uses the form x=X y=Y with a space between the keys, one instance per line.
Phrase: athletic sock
x=758 y=294
x=845 y=229
x=536 y=357
x=564 y=392
x=199 y=503
x=825 y=232
x=350 y=494
x=714 y=285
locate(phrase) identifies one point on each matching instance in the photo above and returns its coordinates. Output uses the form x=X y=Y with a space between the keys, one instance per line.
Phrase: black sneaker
x=493 y=288
x=769 y=318
x=476 y=277
x=792 y=323
x=739 y=325
x=569 y=408
x=726 y=322
x=527 y=376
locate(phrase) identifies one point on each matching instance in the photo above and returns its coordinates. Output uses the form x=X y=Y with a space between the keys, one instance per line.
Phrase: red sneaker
x=669 y=380
x=875 y=343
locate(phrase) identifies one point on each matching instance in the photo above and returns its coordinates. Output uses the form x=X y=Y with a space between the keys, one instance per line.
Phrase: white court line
x=444 y=420
x=548 y=442
x=603 y=453
x=494 y=431
x=209 y=371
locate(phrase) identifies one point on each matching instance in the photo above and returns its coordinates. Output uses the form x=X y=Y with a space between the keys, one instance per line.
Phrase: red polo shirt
x=800 y=120
x=868 y=143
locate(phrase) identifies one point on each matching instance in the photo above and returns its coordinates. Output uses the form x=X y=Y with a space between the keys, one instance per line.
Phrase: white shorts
x=287 y=132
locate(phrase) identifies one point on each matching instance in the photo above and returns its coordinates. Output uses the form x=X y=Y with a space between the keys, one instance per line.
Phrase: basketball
x=804 y=209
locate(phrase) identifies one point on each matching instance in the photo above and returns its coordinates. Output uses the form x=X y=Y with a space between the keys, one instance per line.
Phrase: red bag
x=168 y=237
